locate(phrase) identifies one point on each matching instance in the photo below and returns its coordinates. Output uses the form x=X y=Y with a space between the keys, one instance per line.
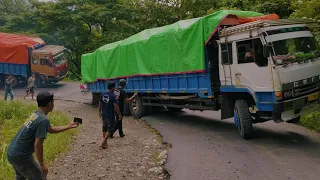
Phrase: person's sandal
x=104 y=145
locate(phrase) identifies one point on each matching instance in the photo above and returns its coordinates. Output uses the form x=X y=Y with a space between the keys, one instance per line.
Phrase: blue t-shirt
x=107 y=99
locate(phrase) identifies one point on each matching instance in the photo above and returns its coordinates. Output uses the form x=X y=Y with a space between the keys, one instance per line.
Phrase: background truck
x=21 y=56
x=253 y=68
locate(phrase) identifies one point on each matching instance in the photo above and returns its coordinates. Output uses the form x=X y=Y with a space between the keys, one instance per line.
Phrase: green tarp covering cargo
x=172 y=49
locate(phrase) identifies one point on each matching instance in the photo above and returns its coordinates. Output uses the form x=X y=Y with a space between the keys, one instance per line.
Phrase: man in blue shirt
x=30 y=139
x=108 y=104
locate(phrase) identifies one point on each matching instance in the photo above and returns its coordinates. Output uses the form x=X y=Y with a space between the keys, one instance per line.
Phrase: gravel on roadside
x=139 y=155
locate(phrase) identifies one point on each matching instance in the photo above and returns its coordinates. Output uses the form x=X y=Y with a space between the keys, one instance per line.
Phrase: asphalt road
x=69 y=91
x=206 y=148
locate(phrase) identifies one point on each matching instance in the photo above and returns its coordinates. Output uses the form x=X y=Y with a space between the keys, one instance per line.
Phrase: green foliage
x=84 y=25
x=311 y=120
x=12 y=116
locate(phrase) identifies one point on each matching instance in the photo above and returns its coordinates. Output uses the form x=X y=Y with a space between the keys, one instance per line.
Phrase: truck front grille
x=297 y=92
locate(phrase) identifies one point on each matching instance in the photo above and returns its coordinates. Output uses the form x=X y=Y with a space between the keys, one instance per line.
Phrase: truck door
x=225 y=55
x=251 y=69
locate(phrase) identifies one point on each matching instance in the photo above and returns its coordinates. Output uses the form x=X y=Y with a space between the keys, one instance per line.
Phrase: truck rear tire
x=95 y=99
x=136 y=107
x=243 y=119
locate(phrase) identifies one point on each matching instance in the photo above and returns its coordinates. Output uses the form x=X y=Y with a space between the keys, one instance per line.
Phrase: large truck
x=252 y=67
x=20 y=56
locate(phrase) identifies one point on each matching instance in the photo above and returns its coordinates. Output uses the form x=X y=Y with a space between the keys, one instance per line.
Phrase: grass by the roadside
x=12 y=116
x=311 y=119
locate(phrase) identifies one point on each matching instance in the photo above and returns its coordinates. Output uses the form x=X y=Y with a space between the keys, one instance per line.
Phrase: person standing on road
x=108 y=105
x=31 y=86
x=8 y=88
x=30 y=139
x=122 y=97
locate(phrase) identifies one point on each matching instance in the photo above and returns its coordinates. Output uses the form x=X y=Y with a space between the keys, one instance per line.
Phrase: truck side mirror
x=266 y=49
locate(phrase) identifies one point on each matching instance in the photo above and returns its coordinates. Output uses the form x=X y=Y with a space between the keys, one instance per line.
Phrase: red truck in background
x=22 y=56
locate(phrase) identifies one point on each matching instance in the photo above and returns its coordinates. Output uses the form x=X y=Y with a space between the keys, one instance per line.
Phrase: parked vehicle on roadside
x=22 y=56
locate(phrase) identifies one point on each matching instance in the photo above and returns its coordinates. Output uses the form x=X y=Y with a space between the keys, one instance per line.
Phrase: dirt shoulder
x=139 y=155
x=136 y=156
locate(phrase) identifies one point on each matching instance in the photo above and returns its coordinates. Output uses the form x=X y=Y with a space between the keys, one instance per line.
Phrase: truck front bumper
x=289 y=109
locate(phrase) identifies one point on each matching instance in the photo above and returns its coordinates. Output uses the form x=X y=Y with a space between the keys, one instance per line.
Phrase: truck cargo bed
x=14 y=69
x=191 y=83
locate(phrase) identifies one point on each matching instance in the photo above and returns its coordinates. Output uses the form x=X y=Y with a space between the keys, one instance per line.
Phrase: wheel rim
x=135 y=106
x=236 y=119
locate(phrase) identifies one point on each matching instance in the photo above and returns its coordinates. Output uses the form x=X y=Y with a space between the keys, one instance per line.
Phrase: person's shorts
x=31 y=90
x=108 y=125
x=26 y=168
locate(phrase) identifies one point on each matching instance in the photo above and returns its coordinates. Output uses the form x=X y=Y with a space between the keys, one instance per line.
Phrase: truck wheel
x=95 y=99
x=126 y=110
x=38 y=81
x=243 y=119
x=136 y=107
x=295 y=120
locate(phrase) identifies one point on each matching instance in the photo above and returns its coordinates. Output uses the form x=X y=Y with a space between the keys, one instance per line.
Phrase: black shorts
x=108 y=125
x=31 y=90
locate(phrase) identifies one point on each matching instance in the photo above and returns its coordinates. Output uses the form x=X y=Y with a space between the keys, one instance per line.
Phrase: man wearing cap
x=121 y=95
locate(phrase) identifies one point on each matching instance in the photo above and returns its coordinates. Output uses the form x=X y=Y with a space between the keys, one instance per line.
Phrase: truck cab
x=273 y=66
x=50 y=64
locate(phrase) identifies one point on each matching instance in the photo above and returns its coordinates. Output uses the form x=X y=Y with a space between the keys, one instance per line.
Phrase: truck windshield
x=62 y=58
x=295 y=50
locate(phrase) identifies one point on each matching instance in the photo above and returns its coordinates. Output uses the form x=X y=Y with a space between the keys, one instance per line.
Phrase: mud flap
x=227 y=107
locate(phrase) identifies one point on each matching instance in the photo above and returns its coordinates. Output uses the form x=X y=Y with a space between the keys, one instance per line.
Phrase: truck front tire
x=243 y=119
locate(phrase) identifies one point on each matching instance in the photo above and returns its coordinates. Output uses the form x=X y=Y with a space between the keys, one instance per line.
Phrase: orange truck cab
x=21 y=56
x=50 y=63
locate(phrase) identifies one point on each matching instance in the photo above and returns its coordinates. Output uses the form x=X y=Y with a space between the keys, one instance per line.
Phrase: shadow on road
x=269 y=134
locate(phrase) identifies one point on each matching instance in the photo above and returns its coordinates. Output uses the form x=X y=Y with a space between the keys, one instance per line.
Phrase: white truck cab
x=276 y=62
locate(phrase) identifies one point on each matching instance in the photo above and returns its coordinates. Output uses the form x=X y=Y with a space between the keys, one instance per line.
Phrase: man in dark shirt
x=8 y=87
x=108 y=104
x=122 y=98
x=30 y=139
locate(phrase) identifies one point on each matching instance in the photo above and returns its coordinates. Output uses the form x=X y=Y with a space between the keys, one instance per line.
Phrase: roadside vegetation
x=82 y=26
x=311 y=119
x=12 y=116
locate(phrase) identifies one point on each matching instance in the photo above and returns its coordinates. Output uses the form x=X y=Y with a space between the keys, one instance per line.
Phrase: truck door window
x=251 y=51
x=45 y=62
x=226 y=53
x=245 y=52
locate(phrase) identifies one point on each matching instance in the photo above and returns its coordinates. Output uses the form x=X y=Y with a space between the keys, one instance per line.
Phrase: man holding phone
x=108 y=105
x=30 y=139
